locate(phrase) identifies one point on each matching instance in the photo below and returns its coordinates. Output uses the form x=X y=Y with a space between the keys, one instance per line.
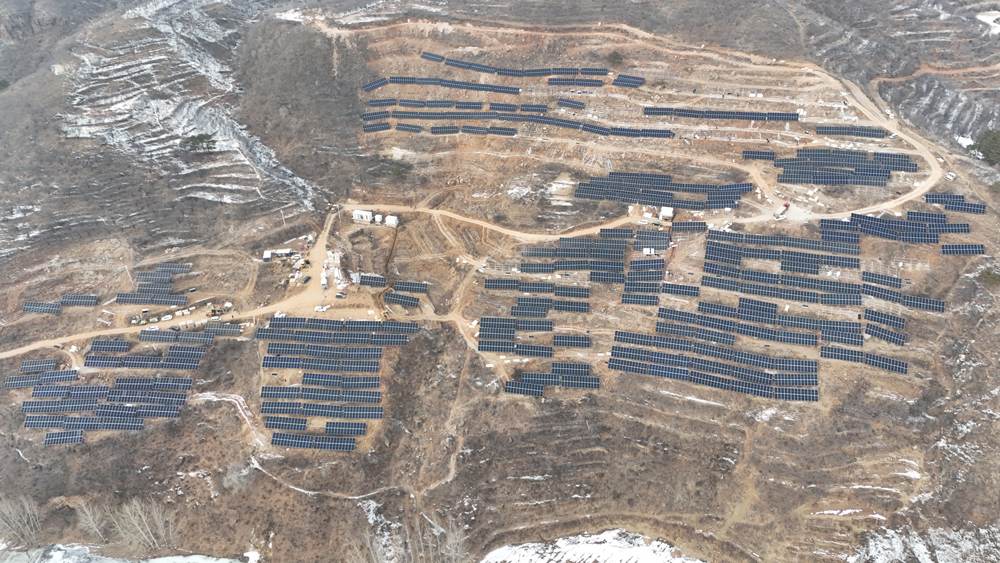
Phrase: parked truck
x=780 y=213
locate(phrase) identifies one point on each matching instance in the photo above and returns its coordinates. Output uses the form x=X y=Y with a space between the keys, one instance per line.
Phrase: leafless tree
x=19 y=519
x=423 y=543
x=92 y=519
x=143 y=524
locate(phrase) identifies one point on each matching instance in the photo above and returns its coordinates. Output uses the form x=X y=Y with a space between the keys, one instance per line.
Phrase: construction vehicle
x=780 y=213
x=217 y=312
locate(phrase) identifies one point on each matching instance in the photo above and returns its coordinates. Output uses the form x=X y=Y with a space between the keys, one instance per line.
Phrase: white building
x=391 y=221
x=361 y=216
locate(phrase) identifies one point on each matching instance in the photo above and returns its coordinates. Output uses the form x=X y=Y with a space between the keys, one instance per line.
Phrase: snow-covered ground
x=613 y=546
x=81 y=554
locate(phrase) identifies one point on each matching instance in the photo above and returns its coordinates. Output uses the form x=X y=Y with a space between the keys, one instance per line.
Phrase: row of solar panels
x=305 y=441
x=852 y=130
x=721 y=114
x=858 y=356
x=665 y=183
x=723 y=383
x=638 y=355
x=505 y=347
x=572 y=71
x=321 y=364
x=151 y=299
x=517 y=117
x=584 y=265
x=140 y=362
x=65 y=301
x=458 y=84
x=334 y=352
x=911 y=225
x=331 y=429
x=782 y=240
x=656 y=198
x=829 y=286
x=159 y=409
x=323 y=394
x=955 y=202
x=736 y=356
x=505 y=323
x=394 y=327
x=173 y=336
x=321 y=410
x=321 y=337
x=733 y=254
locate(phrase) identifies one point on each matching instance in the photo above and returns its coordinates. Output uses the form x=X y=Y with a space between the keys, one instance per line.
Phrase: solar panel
x=54 y=376
x=157 y=336
x=372 y=280
x=346 y=428
x=78 y=301
x=522 y=388
x=88 y=392
x=885 y=318
x=50 y=391
x=963 y=249
x=840 y=337
x=720 y=283
x=399 y=299
x=886 y=363
x=195 y=338
x=977 y=208
x=44 y=421
x=37 y=307
x=224 y=329
x=153 y=411
x=326 y=411
x=121 y=423
x=172 y=384
x=575 y=292
x=410 y=287
x=109 y=345
x=362 y=412
x=280 y=407
x=331 y=443
x=535 y=287
x=633 y=338
x=571 y=341
x=284 y=423
x=361 y=382
x=61 y=438
x=922 y=303
x=569 y=368
x=284 y=440
x=885 y=334
x=32 y=366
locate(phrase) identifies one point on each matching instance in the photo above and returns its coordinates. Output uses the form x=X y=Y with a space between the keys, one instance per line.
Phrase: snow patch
x=613 y=546
x=991 y=19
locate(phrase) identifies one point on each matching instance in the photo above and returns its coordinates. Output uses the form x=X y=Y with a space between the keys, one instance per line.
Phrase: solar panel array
x=721 y=114
x=852 y=130
x=963 y=249
x=659 y=189
x=78 y=301
x=38 y=307
x=151 y=299
x=840 y=167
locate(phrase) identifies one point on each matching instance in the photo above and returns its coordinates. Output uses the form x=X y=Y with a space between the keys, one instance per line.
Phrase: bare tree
x=422 y=543
x=143 y=525
x=92 y=519
x=19 y=519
